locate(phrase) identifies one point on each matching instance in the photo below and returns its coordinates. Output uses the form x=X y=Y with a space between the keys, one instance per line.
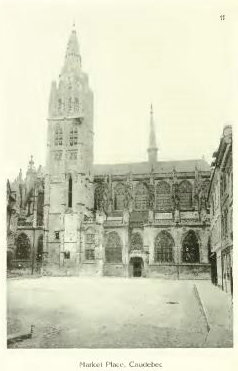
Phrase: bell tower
x=68 y=184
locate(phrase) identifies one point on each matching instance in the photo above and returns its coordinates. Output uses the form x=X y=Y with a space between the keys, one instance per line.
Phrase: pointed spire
x=72 y=55
x=152 y=149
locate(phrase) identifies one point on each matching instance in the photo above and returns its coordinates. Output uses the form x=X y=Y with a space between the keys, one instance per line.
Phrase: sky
x=177 y=55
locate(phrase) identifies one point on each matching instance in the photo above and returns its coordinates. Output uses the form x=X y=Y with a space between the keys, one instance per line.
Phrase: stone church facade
x=146 y=219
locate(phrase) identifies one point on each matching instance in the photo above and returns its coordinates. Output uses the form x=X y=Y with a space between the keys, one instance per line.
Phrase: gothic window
x=113 y=249
x=163 y=196
x=141 y=197
x=73 y=136
x=185 y=195
x=60 y=104
x=190 y=248
x=23 y=249
x=90 y=245
x=101 y=197
x=70 y=104
x=39 y=254
x=136 y=242
x=40 y=208
x=76 y=104
x=70 y=192
x=58 y=137
x=164 y=244
x=119 y=195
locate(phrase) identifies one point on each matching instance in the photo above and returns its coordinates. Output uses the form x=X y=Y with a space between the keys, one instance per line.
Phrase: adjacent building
x=220 y=198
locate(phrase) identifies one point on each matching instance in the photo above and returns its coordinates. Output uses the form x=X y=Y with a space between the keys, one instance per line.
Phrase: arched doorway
x=23 y=249
x=137 y=267
x=39 y=254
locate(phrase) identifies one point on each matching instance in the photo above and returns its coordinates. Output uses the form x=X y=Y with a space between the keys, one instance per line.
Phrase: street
x=73 y=312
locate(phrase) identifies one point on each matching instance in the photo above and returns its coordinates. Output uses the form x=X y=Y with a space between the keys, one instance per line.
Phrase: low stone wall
x=163 y=271
x=182 y=272
x=20 y=267
x=90 y=269
x=193 y=272
x=117 y=270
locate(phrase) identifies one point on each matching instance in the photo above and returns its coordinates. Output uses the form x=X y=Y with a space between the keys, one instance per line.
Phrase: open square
x=73 y=312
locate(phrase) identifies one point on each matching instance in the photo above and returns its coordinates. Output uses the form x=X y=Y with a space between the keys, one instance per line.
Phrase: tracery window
x=40 y=208
x=113 y=248
x=136 y=242
x=119 y=195
x=90 y=245
x=23 y=249
x=141 y=197
x=58 y=136
x=73 y=136
x=76 y=104
x=185 y=195
x=70 y=104
x=190 y=248
x=164 y=244
x=163 y=196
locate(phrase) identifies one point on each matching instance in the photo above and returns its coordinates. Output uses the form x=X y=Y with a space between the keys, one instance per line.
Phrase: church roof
x=145 y=167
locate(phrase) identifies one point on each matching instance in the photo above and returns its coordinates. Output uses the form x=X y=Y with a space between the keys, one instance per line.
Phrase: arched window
x=58 y=136
x=136 y=242
x=90 y=244
x=190 y=252
x=141 y=197
x=70 y=192
x=163 y=196
x=60 y=106
x=76 y=104
x=113 y=248
x=119 y=194
x=40 y=208
x=39 y=254
x=164 y=244
x=185 y=195
x=70 y=106
x=23 y=250
x=73 y=136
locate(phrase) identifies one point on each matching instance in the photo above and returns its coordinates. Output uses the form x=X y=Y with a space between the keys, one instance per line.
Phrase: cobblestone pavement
x=74 y=312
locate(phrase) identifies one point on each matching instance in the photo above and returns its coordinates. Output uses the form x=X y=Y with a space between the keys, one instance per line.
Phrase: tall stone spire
x=72 y=55
x=152 y=149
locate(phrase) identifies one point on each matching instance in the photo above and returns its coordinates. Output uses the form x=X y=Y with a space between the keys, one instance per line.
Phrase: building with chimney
x=147 y=219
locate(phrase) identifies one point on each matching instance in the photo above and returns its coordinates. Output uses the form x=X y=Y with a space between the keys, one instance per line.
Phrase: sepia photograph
x=117 y=142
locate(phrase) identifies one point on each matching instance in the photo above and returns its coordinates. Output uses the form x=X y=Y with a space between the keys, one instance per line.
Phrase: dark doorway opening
x=137 y=267
x=213 y=262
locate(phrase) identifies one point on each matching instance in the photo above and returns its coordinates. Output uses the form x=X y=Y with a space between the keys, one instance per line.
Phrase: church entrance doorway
x=137 y=266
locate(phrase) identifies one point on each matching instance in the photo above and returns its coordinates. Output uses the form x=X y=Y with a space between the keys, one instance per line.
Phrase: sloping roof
x=145 y=167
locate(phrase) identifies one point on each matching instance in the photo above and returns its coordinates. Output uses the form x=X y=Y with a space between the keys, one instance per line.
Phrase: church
x=74 y=217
